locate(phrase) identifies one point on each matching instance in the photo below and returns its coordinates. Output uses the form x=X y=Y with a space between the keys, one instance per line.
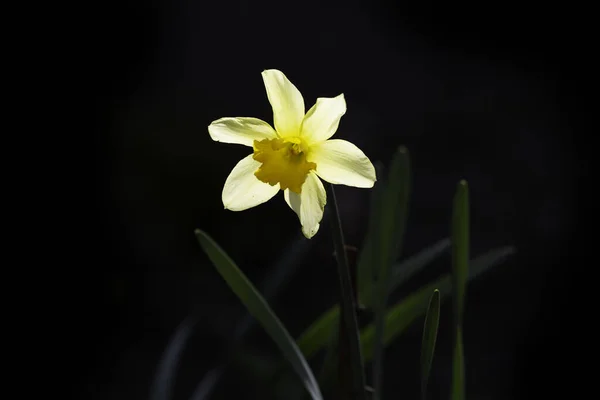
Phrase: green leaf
x=460 y=248
x=317 y=335
x=458 y=368
x=329 y=365
x=403 y=314
x=395 y=209
x=430 y=330
x=400 y=316
x=460 y=271
x=259 y=308
x=258 y=365
x=402 y=272
x=368 y=254
x=354 y=378
x=388 y=241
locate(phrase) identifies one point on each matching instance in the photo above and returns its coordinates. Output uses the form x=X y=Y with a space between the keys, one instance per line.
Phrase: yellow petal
x=309 y=204
x=340 y=162
x=243 y=190
x=241 y=130
x=323 y=119
x=287 y=103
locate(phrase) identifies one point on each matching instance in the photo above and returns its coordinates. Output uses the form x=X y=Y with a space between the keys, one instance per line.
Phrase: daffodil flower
x=293 y=156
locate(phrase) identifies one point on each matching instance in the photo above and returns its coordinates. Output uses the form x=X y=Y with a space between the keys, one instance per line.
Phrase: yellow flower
x=293 y=156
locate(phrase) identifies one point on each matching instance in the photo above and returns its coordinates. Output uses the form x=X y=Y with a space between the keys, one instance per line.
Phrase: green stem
x=348 y=302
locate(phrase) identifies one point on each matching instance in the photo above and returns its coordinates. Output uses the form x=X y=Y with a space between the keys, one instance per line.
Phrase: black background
x=492 y=93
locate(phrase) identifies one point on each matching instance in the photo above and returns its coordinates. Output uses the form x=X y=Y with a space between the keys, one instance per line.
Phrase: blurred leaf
x=388 y=241
x=162 y=387
x=430 y=330
x=316 y=336
x=401 y=315
x=257 y=306
x=330 y=363
x=395 y=210
x=402 y=272
x=460 y=271
x=367 y=257
x=255 y=363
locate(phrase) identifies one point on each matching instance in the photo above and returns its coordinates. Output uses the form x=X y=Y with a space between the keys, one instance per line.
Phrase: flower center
x=283 y=161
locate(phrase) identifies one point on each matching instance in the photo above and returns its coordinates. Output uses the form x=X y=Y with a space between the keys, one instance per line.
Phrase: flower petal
x=243 y=190
x=243 y=130
x=287 y=103
x=323 y=119
x=340 y=162
x=309 y=204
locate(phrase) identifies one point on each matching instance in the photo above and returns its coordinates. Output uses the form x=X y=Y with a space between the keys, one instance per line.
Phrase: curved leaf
x=401 y=315
x=460 y=271
x=317 y=335
x=430 y=330
x=259 y=308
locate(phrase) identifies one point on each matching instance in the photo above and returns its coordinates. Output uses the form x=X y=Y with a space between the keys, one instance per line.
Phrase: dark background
x=492 y=93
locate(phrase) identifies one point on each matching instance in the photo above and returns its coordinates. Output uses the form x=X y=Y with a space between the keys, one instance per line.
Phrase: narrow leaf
x=460 y=248
x=458 y=368
x=317 y=335
x=430 y=329
x=393 y=216
x=258 y=307
x=329 y=364
x=277 y=278
x=365 y=264
x=401 y=273
x=460 y=271
x=162 y=387
x=395 y=208
x=349 y=346
x=403 y=314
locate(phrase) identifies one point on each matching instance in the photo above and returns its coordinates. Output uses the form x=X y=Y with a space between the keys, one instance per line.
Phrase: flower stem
x=348 y=320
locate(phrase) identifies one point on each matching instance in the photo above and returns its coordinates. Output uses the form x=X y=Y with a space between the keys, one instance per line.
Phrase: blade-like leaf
x=162 y=387
x=279 y=274
x=401 y=315
x=430 y=329
x=458 y=369
x=395 y=209
x=317 y=335
x=258 y=307
x=389 y=244
x=401 y=273
x=353 y=378
x=460 y=271
x=460 y=248
x=367 y=256
x=329 y=364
